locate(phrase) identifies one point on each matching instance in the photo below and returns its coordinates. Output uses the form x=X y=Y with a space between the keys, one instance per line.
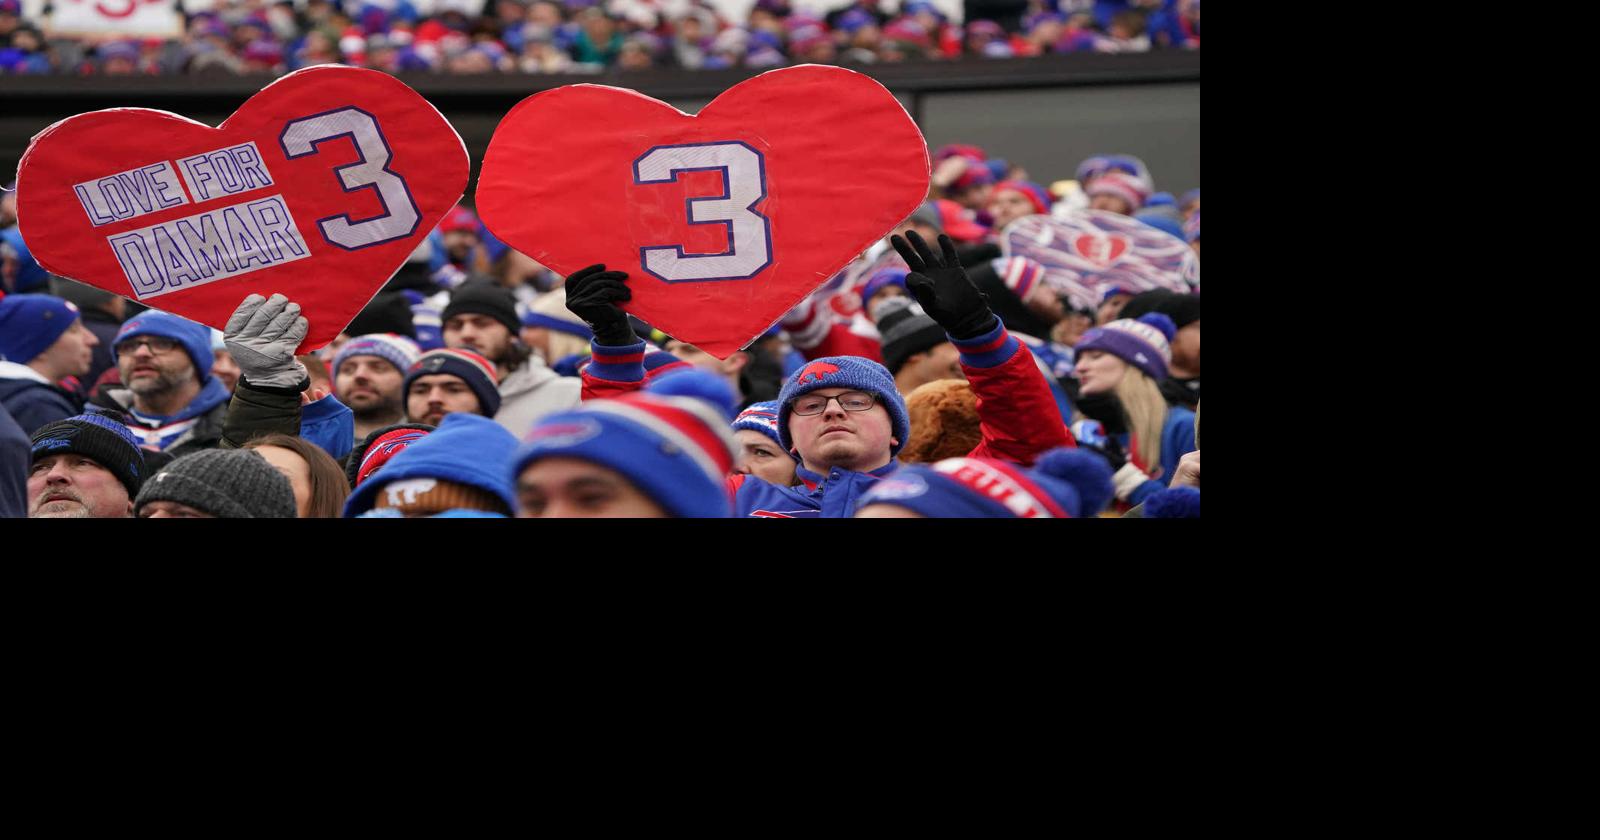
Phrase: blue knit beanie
x=1064 y=483
x=1145 y=343
x=29 y=324
x=845 y=372
x=759 y=417
x=676 y=450
x=466 y=449
x=195 y=339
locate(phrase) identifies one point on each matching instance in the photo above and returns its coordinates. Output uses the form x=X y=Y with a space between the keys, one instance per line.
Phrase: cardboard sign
x=319 y=187
x=723 y=220
x=1088 y=251
x=129 y=18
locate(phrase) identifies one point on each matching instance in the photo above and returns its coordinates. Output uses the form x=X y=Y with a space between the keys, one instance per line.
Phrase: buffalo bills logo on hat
x=817 y=371
x=562 y=435
x=907 y=486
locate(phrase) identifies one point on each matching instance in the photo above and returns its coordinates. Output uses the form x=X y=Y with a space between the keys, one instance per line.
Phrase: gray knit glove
x=262 y=336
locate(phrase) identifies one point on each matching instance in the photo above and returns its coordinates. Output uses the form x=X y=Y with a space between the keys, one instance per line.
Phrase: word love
x=131 y=194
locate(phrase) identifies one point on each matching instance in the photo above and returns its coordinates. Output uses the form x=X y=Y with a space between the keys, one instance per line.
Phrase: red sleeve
x=613 y=371
x=1016 y=411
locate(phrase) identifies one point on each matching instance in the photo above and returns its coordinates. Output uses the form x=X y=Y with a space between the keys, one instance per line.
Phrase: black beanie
x=388 y=312
x=100 y=438
x=482 y=297
x=906 y=332
x=1182 y=309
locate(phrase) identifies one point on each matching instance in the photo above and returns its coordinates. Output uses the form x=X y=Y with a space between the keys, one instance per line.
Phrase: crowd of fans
x=588 y=36
x=932 y=376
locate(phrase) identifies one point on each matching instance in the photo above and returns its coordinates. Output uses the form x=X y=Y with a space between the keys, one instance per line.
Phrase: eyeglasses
x=156 y=345
x=849 y=401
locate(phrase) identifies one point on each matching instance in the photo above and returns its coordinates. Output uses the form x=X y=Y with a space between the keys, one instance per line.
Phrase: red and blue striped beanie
x=469 y=367
x=676 y=450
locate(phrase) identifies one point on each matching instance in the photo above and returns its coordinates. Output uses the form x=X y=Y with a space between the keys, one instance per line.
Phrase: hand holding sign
x=319 y=187
x=942 y=286
x=594 y=295
x=721 y=221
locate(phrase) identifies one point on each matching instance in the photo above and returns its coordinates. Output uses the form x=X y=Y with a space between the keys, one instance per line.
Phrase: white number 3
x=400 y=215
x=744 y=178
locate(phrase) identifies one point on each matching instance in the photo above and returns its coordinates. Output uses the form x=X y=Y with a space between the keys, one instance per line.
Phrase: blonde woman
x=1120 y=367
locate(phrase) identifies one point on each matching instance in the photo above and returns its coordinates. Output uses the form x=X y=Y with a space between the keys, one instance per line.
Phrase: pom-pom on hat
x=676 y=450
x=195 y=339
x=851 y=372
x=99 y=438
x=1064 y=483
x=466 y=449
x=469 y=367
x=1173 y=503
x=29 y=324
x=1144 y=343
x=395 y=349
x=700 y=384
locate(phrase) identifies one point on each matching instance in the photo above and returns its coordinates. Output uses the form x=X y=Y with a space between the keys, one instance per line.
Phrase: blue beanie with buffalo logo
x=851 y=372
x=195 y=339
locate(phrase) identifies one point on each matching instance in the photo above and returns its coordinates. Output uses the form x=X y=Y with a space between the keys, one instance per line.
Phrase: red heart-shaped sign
x=1104 y=249
x=723 y=220
x=318 y=187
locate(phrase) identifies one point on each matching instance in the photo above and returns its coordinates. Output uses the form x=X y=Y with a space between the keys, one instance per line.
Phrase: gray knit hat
x=227 y=483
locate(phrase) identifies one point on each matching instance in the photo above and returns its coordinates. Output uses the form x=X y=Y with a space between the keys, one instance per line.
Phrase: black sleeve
x=257 y=410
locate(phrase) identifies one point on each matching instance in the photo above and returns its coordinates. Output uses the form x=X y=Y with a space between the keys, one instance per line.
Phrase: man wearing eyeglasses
x=842 y=415
x=174 y=403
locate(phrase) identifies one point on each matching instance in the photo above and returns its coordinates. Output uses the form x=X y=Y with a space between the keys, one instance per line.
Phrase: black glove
x=593 y=294
x=942 y=287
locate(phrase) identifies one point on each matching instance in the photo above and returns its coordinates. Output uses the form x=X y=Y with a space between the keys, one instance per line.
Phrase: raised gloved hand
x=262 y=335
x=593 y=294
x=942 y=287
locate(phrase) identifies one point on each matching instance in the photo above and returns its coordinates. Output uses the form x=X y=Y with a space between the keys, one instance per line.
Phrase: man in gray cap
x=217 y=484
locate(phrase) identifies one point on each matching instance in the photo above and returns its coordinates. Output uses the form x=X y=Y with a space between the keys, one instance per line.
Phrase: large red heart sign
x=723 y=220
x=318 y=187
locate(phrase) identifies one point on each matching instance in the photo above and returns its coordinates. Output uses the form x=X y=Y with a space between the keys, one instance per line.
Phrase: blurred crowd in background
x=229 y=37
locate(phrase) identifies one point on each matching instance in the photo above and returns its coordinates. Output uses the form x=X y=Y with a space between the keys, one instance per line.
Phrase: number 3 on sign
x=400 y=215
x=744 y=180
